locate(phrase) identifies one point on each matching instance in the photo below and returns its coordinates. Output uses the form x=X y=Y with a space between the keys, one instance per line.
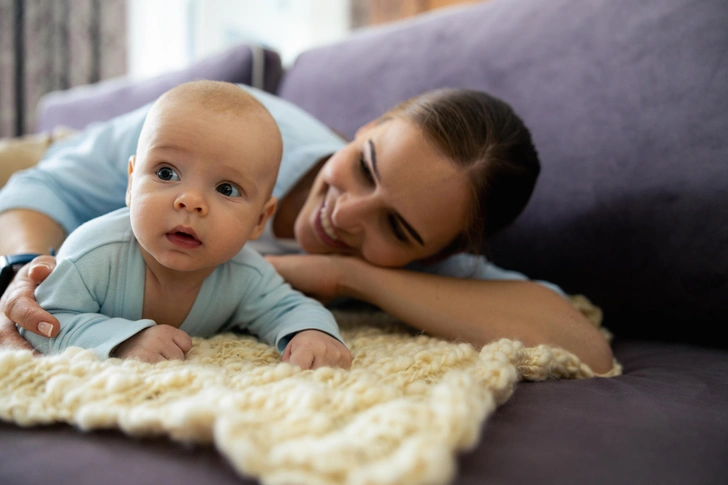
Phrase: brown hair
x=484 y=136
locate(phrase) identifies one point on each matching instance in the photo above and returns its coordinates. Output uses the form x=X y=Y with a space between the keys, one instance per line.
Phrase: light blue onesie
x=97 y=293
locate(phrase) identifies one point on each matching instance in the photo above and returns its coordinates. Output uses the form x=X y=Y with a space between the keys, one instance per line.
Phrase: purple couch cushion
x=628 y=105
x=664 y=421
x=78 y=107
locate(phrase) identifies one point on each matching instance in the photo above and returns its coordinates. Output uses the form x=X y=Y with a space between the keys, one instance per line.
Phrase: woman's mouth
x=325 y=229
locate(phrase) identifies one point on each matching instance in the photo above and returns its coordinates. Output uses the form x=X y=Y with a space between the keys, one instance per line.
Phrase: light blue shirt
x=85 y=176
x=97 y=294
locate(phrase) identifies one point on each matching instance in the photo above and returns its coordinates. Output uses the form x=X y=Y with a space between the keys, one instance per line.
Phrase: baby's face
x=200 y=183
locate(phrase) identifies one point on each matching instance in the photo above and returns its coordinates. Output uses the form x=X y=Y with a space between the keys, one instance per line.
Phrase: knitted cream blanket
x=399 y=416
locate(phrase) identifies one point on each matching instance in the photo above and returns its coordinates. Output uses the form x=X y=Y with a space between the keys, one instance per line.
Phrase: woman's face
x=388 y=197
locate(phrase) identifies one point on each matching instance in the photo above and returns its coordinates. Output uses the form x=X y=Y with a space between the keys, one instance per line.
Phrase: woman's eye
x=396 y=228
x=228 y=190
x=166 y=173
x=365 y=170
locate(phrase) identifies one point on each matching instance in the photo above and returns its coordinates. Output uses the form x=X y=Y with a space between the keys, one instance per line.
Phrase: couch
x=628 y=106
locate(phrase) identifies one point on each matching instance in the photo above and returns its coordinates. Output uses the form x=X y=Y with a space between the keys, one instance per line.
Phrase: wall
x=170 y=34
x=374 y=12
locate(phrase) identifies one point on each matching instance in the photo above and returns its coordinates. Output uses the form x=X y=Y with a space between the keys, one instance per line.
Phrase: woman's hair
x=485 y=137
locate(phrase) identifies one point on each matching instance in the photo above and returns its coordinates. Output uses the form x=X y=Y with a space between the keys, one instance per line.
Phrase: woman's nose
x=191 y=201
x=351 y=211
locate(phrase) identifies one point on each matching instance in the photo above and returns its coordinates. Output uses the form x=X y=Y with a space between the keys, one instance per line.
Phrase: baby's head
x=200 y=183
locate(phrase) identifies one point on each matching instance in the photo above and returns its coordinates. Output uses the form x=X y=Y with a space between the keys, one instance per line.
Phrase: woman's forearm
x=479 y=311
x=27 y=231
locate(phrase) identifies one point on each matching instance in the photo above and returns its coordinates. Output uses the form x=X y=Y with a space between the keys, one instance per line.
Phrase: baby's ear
x=269 y=208
x=132 y=160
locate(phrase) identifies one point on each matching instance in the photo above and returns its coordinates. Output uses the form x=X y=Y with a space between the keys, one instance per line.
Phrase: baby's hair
x=221 y=98
x=215 y=96
x=218 y=96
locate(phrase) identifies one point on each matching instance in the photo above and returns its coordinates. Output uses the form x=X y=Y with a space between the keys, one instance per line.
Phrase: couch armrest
x=79 y=106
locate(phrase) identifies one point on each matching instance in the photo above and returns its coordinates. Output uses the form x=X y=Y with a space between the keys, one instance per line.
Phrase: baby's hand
x=155 y=344
x=311 y=349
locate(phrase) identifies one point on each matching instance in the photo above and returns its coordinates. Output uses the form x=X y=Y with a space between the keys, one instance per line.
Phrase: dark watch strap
x=9 y=265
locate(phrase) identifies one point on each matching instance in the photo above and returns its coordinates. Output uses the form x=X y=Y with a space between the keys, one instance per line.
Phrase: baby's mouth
x=184 y=237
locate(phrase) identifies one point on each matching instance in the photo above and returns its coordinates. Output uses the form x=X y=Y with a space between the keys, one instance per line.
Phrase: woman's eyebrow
x=373 y=157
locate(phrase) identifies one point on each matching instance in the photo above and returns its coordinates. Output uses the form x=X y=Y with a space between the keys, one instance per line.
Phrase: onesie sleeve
x=81 y=177
x=275 y=312
x=471 y=266
x=76 y=302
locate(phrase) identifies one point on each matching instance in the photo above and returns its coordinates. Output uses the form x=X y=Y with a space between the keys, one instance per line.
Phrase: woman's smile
x=325 y=229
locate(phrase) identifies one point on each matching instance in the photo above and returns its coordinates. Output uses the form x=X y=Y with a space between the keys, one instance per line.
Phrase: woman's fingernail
x=45 y=328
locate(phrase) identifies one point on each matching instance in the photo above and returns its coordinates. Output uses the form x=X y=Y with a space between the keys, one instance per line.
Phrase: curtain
x=49 y=45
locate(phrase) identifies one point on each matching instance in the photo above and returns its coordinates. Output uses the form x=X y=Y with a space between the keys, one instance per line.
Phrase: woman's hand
x=316 y=275
x=18 y=305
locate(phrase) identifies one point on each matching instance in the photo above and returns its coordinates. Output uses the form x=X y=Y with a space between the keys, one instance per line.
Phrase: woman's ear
x=132 y=160
x=269 y=208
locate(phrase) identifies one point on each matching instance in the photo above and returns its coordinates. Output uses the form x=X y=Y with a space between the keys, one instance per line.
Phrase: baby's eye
x=228 y=190
x=166 y=173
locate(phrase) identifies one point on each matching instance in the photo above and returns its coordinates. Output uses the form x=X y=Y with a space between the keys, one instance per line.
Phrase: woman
x=397 y=218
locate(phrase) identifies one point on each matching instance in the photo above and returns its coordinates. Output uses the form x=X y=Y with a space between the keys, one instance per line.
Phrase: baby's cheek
x=231 y=240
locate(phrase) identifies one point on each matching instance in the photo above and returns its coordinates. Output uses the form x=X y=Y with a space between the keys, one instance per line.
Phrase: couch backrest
x=628 y=105
x=80 y=106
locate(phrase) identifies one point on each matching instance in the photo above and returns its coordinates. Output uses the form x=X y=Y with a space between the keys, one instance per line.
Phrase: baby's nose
x=191 y=201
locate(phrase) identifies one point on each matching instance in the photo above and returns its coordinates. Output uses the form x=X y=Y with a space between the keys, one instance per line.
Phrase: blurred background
x=49 y=45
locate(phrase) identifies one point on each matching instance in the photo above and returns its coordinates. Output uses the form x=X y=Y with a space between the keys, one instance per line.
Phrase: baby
x=136 y=283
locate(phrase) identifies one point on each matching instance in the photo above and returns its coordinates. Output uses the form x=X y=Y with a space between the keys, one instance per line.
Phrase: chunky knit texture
x=399 y=416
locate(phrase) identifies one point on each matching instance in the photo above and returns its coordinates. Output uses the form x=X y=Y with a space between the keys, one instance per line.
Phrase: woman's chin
x=306 y=238
x=311 y=244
